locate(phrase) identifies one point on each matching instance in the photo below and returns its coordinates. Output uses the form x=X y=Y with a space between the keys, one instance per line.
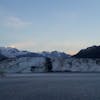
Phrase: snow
x=70 y=65
x=11 y=52
x=55 y=54
x=23 y=64
x=82 y=65
x=60 y=62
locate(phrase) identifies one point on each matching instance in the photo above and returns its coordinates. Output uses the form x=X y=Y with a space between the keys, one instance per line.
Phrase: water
x=52 y=86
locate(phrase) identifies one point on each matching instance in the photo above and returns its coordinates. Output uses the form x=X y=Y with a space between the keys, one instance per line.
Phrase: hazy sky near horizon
x=47 y=25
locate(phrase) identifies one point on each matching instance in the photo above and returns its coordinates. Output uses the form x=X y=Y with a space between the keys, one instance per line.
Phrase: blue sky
x=47 y=25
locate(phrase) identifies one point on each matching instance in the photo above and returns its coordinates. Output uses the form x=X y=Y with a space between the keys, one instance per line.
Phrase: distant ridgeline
x=90 y=52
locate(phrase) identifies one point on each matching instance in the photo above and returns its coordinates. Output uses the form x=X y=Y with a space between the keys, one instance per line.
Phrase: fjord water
x=50 y=86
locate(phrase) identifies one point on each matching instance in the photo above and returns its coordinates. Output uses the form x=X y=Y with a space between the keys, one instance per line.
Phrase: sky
x=49 y=25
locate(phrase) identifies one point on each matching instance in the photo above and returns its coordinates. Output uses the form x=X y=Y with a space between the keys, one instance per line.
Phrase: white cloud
x=16 y=23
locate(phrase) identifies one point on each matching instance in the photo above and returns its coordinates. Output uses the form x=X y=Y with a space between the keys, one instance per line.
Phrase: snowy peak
x=55 y=54
x=11 y=52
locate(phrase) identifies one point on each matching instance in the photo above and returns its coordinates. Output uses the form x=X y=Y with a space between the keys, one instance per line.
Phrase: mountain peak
x=90 y=52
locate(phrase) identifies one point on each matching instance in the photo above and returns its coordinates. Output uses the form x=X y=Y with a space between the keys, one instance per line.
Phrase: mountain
x=10 y=52
x=30 y=54
x=90 y=52
x=13 y=53
x=55 y=54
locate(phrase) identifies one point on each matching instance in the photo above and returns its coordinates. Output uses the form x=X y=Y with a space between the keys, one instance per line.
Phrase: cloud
x=16 y=23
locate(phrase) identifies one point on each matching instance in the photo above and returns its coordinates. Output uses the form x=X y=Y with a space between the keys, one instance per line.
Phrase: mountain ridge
x=90 y=52
x=15 y=53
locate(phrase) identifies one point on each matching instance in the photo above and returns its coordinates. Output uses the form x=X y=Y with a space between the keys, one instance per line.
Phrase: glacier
x=27 y=62
x=21 y=65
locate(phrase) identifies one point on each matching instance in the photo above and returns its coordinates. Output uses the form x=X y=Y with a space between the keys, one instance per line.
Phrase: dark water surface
x=52 y=86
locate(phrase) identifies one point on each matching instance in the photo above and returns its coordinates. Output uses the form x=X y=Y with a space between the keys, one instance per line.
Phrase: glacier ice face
x=23 y=64
x=82 y=65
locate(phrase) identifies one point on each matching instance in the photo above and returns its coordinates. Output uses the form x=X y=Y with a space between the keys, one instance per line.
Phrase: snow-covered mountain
x=13 y=52
x=55 y=54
